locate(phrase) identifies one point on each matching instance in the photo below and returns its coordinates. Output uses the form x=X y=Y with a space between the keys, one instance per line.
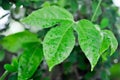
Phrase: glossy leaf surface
x=58 y=44
x=90 y=41
x=48 y=16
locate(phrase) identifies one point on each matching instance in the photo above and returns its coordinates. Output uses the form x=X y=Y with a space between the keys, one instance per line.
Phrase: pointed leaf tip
x=58 y=44
x=90 y=41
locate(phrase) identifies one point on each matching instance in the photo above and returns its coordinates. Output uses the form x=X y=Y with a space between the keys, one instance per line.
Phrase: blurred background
x=76 y=66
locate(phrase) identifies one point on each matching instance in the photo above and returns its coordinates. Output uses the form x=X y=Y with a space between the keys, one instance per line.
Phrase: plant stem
x=4 y=75
x=93 y=17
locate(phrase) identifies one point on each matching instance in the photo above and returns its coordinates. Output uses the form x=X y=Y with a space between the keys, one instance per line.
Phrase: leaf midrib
x=62 y=38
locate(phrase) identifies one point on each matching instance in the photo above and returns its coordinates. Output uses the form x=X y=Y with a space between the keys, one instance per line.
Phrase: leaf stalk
x=93 y=17
x=4 y=75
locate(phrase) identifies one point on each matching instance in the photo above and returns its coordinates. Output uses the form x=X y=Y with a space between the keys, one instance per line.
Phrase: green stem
x=93 y=17
x=4 y=75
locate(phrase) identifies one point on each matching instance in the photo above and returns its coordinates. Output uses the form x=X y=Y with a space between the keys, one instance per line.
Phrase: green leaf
x=104 y=23
x=110 y=40
x=57 y=44
x=9 y=68
x=109 y=44
x=29 y=61
x=13 y=67
x=90 y=41
x=14 y=42
x=105 y=43
x=48 y=16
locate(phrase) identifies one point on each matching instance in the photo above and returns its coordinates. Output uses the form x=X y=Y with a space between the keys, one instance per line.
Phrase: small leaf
x=9 y=68
x=90 y=41
x=48 y=16
x=57 y=44
x=14 y=42
x=109 y=44
x=105 y=43
x=13 y=66
x=104 y=23
x=110 y=41
x=29 y=61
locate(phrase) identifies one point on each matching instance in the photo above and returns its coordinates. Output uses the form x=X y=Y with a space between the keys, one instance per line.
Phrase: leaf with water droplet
x=90 y=41
x=58 y=44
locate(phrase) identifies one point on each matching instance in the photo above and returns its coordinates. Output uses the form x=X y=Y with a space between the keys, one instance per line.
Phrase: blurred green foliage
x=76 y=67
x=2 y=55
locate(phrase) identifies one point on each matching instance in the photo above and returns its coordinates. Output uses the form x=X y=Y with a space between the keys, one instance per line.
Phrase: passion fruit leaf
x=111 y=41
x=58 y=44
x=47 y=17
x=90 y=41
